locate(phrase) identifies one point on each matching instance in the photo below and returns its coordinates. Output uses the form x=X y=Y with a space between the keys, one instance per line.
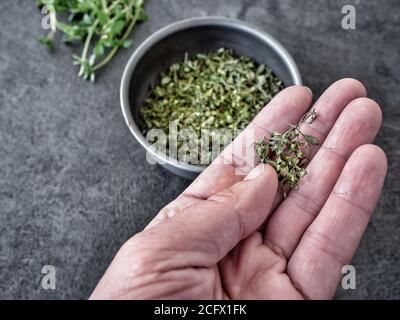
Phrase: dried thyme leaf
x=216 y=90
x=285 y=152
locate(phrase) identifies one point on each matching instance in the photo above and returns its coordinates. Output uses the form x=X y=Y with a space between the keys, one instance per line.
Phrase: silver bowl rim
x=171 y=29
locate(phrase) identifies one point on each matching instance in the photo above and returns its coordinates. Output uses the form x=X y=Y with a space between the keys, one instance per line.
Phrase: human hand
x=229 y=236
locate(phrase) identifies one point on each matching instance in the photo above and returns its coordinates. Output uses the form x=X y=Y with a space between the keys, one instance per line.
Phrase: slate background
x=74 y=184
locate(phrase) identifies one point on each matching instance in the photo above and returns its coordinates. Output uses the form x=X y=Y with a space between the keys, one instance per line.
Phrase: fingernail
x=256 y=172
x=309 y=90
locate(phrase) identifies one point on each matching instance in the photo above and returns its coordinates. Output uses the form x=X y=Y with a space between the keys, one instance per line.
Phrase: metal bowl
x=192 y=36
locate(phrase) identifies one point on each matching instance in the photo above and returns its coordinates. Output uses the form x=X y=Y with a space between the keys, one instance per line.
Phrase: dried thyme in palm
x=216 y=90
x=285 y=152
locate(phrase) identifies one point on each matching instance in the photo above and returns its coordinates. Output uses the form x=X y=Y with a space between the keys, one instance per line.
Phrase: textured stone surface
x=74 y=184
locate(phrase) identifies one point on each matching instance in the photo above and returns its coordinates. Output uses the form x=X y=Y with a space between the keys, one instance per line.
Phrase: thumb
x=211 y=228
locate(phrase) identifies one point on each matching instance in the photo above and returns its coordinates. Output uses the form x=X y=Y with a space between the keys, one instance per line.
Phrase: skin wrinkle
x=249 y=282
x=224 y=284
x=202 y=189
x=217 y=283
x=277 y=250
x=142 y=284
x=239 y=164
x=165 y=255
x=327 y=245
x=183 y=202
x=300 y=289
x=300 y=292
x=234 y=198
x=345 y=197
x=164 y=251
x=316 y=175
x=356 y=89
x=266 y=132
x=224 y=289
x=333 y=151
x=365 y=126
x=138 y=277
x=193 y=196
x=160 y=277
x=172 y=209
x=236 y=210
x=175 y=286
x=262 y=271
x=205 y=249
x=237 y=264
x=316 y=206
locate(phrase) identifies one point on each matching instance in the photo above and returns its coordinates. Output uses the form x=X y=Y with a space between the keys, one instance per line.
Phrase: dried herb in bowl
x=211 y=91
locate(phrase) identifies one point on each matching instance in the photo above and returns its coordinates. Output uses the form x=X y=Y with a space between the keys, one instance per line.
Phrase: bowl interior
x=199 y=39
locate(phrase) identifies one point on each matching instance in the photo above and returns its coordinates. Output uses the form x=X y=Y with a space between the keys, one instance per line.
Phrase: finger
x=357 y=125
x=204 y=233
x=332 y=239
x=229 y=167
x=329 y=107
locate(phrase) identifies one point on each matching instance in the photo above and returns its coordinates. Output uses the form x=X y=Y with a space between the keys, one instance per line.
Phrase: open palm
x=231 y=236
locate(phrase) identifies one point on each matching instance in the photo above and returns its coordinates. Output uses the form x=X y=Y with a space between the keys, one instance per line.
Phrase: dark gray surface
x=73 y=182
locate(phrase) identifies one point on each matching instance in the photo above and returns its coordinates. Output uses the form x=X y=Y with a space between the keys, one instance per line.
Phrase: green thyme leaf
x=47 y=41
x=311 y=140
x=102 y=25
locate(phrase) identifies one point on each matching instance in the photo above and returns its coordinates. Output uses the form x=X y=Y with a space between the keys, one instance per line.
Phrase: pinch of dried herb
x=285 y=152
x=215 y=90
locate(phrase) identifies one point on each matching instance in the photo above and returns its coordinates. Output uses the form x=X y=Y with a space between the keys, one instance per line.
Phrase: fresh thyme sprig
x=285 y=152
x=102 y=25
